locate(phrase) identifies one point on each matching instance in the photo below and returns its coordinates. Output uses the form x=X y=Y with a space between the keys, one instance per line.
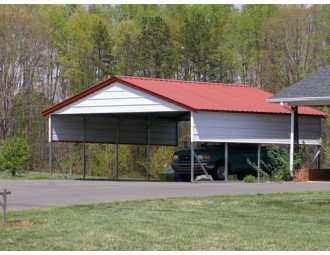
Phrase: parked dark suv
x=212 y=155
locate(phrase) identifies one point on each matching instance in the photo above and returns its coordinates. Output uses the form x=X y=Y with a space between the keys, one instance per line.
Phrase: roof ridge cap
x=184 y=81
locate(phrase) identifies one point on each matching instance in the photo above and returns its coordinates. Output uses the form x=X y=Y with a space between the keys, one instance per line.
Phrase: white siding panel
x=309 y=127
x=252 y=128
x=163 y=132
x=133 y=131
x=67 y=128
x=118 y=98
x=103 y=129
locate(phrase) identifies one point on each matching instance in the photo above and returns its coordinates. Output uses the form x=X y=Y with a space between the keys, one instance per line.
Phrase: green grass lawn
x=288 y=221
x=33 y=175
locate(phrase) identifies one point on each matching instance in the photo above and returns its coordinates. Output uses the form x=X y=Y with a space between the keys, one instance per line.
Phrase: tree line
x=51 y=52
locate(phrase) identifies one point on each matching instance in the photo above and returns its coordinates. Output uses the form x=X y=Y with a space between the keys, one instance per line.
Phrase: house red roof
x=196 y=96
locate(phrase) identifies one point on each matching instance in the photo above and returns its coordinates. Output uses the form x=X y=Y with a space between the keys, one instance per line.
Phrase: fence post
x=4 y=205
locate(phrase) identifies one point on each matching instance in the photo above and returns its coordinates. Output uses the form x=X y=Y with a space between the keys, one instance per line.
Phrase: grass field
x=288 y=221
x=32 y=175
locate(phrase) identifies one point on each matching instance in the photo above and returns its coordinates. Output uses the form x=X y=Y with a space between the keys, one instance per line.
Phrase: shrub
x=279 y=167
x=263 y=175
x=249 y=179
x=15 y=155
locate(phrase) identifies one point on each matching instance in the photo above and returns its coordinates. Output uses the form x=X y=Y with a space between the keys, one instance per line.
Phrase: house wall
x=103 y=129
x=252 y=128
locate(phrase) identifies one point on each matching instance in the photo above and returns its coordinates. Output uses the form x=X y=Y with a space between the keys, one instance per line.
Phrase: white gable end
x=118 y=98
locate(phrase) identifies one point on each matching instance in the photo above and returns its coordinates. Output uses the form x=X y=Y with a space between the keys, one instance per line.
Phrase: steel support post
x=148 y=151
x=319 y=158
x=192 y=153
x=226 y=162
x=84 y=146
x=117 y=150
x=50 y=160
x=259 y=161
x=292 y=141
x=50 y=138
x=84 y=160
x=296 y=128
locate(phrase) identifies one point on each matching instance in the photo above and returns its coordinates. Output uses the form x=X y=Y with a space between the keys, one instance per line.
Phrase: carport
x=146 y=111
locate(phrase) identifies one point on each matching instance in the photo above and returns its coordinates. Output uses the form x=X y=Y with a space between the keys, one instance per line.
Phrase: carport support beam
x=319 y=158
x=292 y=142
x=192 y=153
x=148 y=151
x=50 y=160
x=84 y=160
x=84 y=146
x=50 y=147
x=226 y=162
x=259 y=161
x=117 y=150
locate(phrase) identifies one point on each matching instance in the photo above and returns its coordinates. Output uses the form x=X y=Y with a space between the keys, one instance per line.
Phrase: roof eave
x=78 y=96
x=302 y=101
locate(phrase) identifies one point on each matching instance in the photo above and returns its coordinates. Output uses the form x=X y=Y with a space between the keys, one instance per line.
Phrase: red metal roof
x=196 y=96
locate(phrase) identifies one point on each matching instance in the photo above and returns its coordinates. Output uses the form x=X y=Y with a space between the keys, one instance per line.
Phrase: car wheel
x=218 y=172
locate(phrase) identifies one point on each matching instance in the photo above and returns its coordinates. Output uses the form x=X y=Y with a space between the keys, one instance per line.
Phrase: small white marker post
x=4 y=205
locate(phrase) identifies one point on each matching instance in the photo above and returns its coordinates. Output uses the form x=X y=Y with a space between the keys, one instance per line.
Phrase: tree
x=24 y=37
x=102 y=55
x=86 y=52
x=126 y=50
x=205 y=53
x=15 y=155
x=155 y=48
x=246 y=38
x=291 y=46
x=196 y=46
x=26 y=74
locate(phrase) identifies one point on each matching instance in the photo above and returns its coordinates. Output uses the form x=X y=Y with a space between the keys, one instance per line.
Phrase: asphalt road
x=31 y=194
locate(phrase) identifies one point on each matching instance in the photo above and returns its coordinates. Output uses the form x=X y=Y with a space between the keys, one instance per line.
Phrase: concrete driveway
x=30 y=194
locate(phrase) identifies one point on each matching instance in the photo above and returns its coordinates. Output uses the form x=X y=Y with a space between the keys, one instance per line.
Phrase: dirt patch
x=17 y=224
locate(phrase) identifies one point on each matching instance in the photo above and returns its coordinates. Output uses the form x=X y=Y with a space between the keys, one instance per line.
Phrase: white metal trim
x=192 y=125
x=291 y=142
x=261 y=141
x=50 y=128
x=293 y=99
